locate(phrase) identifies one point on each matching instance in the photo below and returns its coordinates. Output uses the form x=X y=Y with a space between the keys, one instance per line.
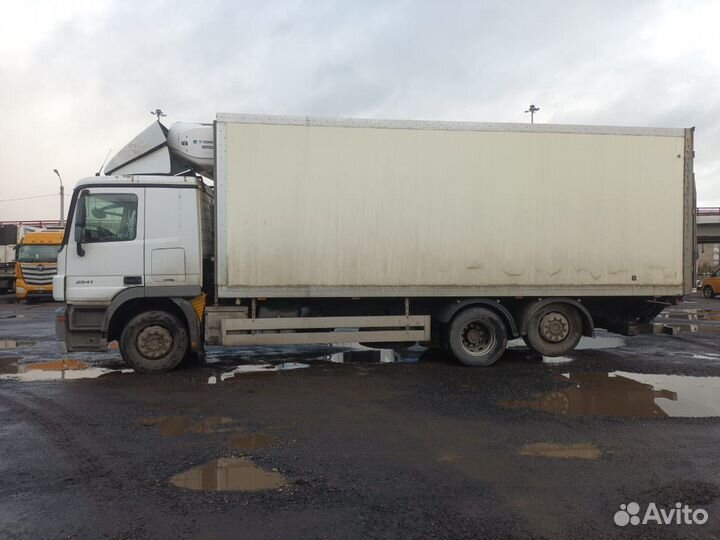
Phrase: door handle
x=132 y=280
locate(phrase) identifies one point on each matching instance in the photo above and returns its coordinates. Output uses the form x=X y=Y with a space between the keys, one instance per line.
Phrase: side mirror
x=80 y=220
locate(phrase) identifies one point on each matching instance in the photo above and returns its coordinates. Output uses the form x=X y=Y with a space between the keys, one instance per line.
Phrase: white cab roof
x=141 y=179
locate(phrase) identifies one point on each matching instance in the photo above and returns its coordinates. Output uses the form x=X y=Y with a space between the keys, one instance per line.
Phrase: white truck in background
x=10 y=234
x=461 y=235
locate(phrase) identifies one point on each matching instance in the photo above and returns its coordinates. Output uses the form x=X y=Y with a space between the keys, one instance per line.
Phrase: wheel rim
x=554 y=327
x=477 y=338
x=154 y=342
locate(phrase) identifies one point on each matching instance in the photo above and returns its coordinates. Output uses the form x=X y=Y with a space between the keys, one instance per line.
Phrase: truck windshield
x=38 y=253
x=111 y=217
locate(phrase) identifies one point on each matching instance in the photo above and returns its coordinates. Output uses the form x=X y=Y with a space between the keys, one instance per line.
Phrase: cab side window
x=110 y=217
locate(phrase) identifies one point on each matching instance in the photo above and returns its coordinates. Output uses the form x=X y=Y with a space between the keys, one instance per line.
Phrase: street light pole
x=532 y=110
x=62 y=198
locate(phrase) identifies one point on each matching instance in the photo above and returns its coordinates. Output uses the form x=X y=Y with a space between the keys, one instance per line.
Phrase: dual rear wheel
x=477 y=336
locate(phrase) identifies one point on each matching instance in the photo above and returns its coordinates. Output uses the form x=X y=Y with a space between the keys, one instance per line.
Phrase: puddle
x=14 y=344
x=586 y=343
x=556 y=360
x=354 y=355
x=627 y=395
x=63 y=369
x=377 y=356
x=256 y=368
x=564 y=451
x=363 y=356
x=250 y=441
x=176 y=426
x=58 y=365
x=600 y=342
x=229 y=474
x=706 y=356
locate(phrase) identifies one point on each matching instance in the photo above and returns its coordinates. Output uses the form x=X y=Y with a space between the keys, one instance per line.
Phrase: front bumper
x=40 y=294
x=24 y=291
x=60 y=328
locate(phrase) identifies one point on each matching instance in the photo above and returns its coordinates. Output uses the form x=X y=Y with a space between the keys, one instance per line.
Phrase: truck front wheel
x=554 y=329
x=708 y=292
x=477 y=337
x=153 y=342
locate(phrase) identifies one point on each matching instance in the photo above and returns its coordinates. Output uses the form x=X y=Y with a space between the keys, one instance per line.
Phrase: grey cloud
x=90 y=85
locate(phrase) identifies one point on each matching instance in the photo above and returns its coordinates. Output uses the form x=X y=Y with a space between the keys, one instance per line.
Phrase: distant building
x=708 y=258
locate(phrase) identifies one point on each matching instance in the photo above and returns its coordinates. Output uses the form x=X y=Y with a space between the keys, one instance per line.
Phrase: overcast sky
x=79 y=78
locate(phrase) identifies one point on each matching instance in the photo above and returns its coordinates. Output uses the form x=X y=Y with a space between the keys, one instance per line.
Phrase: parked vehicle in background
x=459 y=235
x=9 y=236
x=11 y=232
x=36 y=264
x=710 y=286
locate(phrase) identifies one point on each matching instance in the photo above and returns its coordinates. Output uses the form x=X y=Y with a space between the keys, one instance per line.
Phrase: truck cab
x=36 y=264
x=129 y=240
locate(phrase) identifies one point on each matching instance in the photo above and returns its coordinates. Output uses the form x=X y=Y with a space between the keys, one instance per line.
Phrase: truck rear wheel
x=153 y=342
x=477 y=337
x=554 y=329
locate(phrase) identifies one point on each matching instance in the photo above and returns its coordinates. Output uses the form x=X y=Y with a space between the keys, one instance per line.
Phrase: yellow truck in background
x=36 y=264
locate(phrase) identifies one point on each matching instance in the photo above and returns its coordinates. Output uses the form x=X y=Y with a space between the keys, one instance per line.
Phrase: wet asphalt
x=310 y=443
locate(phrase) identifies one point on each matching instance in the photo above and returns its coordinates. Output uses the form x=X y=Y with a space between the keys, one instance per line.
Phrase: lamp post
x=62 y=198
x=532 y=110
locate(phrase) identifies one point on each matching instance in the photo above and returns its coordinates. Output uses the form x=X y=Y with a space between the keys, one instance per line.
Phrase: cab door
x=105 y=250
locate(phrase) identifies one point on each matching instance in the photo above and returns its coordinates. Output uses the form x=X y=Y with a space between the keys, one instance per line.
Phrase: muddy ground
x=310 y=443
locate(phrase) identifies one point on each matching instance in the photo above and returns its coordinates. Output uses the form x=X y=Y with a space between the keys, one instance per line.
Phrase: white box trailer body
x=10 y=234
x=347 y=208
x=7 y=254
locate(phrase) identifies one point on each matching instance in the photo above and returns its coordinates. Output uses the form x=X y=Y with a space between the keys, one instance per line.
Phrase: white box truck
x=10 y=234
x=461 y=235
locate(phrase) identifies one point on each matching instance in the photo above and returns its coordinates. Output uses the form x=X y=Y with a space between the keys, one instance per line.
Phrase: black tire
x=154 y=342
x=708 y=292
x=477 y=337
x=554 y=329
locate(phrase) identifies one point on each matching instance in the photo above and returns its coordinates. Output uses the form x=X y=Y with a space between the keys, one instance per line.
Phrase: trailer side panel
x=333 y=210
